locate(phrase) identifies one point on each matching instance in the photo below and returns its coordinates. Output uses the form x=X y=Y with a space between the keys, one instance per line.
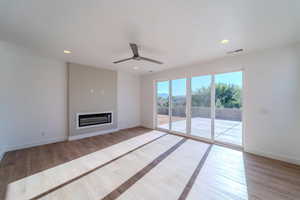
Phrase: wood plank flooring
x=168 y=179
x=51 y=179
x=22 y=163
x=214 y=173
x=99 y=183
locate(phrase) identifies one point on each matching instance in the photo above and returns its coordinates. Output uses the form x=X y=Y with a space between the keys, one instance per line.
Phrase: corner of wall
x=67 y=123
x=147 y=125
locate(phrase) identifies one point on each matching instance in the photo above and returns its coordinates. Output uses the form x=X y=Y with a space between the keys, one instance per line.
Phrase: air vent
x=235 y=51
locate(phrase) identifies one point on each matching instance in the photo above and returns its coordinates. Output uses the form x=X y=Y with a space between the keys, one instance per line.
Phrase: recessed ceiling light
x=67 y=51
x=225 y=41
x=136 y=68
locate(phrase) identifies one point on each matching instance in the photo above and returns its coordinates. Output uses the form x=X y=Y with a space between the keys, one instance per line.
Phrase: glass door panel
x=201 y=106
x=228 y=108
x=178 y=105
x=162 y=105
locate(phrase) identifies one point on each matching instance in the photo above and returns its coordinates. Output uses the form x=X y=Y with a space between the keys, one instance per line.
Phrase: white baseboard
x=130 y=126
x=52 y=140
x=86 y=135
x=273 y=156
x=38 y=143
x=146 y=126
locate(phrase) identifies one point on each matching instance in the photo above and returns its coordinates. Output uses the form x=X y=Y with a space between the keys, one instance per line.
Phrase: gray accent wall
x=91 y=89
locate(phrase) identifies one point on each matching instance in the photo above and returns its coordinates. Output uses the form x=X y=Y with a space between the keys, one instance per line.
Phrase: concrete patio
x=225 y=130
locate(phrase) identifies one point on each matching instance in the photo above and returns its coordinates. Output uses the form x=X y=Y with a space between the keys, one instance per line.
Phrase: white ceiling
x=176 y=32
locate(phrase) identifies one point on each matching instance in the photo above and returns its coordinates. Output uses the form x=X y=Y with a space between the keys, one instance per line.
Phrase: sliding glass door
x=228 y=108
x=162 y=105
x=171 y=105
x=208 y=107
x=178 y=105
x=201 y=122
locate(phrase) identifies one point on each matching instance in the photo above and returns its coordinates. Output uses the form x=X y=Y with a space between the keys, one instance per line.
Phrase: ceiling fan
x=136 y=56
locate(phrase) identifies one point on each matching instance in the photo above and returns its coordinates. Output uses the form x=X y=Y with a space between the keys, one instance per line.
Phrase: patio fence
x=232 y=114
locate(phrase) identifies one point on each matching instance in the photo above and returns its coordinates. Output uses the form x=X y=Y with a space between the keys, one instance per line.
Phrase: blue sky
x=179 y=85
x=235 y=78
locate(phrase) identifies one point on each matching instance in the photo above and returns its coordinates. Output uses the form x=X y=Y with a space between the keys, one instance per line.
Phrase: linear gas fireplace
x=87 y=120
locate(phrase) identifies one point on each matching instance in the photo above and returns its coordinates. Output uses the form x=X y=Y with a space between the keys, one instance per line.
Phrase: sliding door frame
x=241 y=147
x=188 y=108
x=212 y=107
x=155 y=124
x=211 y=139
x=171 y=105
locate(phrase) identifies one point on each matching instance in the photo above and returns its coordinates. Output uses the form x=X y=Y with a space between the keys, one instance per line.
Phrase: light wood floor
x=141 y=164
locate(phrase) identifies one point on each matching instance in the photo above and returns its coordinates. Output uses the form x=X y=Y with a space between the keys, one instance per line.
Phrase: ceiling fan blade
x=134 y=49
x=123 y=60
x=151 y=60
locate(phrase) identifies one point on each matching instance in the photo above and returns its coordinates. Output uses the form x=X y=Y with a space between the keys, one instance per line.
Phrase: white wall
x=103 y=98
x=128 y=100
x=271 y=98
x=32 y=98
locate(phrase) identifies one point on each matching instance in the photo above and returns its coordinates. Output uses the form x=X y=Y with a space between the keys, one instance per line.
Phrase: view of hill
x=227 y=96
